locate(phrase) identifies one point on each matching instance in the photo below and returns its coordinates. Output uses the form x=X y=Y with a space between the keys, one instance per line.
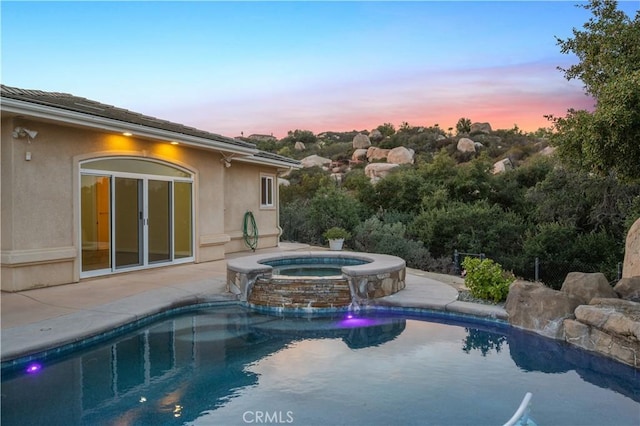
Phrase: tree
x=304 y=136
x=463 y=125
x=608 y=50
x=387 y=129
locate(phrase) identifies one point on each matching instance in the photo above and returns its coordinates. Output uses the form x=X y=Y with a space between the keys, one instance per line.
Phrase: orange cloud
x=502 y=96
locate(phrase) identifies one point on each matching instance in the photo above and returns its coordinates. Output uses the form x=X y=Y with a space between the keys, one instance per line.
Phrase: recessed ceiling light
x=127 y=134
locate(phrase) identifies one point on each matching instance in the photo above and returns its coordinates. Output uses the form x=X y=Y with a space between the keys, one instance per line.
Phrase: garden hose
x=250 y=230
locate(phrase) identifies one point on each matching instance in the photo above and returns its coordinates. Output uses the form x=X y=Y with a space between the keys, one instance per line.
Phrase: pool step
x=298 y=292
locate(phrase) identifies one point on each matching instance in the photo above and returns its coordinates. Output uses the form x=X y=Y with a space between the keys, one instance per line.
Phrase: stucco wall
x=242 y=188
x=40 y=198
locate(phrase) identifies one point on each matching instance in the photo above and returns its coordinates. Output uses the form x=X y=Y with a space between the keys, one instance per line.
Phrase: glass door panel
x=128 y=222
x=182 y=226
x=159 y=213
x=95 y=217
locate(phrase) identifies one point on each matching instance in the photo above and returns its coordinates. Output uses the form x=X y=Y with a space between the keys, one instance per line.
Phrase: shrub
x=332 y=207
x=375 y=236
x=336 y=233
x=486 y=279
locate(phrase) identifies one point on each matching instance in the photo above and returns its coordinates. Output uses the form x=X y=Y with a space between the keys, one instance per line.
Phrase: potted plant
x=336 y=237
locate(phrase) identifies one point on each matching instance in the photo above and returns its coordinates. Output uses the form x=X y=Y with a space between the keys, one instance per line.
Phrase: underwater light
x=352 y=321
x=34 y=368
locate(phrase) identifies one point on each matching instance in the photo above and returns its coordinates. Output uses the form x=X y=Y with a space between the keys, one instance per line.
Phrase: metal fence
x=549 y=273
x=459 y=257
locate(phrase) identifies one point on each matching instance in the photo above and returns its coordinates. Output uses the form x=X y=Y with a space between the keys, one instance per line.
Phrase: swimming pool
x=228 y=365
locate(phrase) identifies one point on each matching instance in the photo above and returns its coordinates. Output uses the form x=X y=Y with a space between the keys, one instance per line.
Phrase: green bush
x=375 y=236
x=332 y=207
x=486 y=279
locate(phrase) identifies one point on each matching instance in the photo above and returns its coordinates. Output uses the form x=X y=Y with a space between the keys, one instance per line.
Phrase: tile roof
x=86 y=106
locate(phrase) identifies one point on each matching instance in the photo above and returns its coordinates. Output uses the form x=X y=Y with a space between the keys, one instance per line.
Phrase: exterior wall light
x=21 y=132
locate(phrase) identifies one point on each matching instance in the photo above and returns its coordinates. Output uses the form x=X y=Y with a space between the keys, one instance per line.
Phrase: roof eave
x=95 y=122
x=269 y=161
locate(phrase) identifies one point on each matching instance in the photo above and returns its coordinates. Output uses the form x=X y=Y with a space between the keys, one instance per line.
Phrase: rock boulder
x=377 y=171
x=376 y=135
x=299 y=146
x=359 y=155
x=315 y=160
x=631 y=267
x=532 y=306
x=466 y=145
x=502 y=166
x=480 y=128
x=375 y=153
x=400 y=155
x=587 y=286
x=361 y=141
x=607 y=326
x=548 y=151
x=628 y=289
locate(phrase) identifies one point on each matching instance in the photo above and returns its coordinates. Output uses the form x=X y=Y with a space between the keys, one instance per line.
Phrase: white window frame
x=267 y=182
x=85 y=169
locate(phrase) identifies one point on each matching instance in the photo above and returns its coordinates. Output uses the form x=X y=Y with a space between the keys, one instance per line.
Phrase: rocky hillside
x=383 y=149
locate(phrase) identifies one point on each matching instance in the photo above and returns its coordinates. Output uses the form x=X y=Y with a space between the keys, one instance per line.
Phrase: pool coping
x=377 y=263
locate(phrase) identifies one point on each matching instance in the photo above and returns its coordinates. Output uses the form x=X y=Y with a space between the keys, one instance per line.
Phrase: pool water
x=229 y=366
x=308 y=270
x=312 y=266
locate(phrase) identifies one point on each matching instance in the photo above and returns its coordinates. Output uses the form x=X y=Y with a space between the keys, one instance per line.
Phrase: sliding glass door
x=133 y=220
x=128 y=222
x=95 y=213
x=159 y=207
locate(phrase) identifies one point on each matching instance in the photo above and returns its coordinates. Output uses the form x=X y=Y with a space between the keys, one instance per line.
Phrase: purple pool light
x=352 y=321
x=34 y=368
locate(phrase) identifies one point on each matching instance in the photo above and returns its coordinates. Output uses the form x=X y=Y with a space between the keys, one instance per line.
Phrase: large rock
x=315 y=160
x=628 y=289
x=480 y=128
x=548 y=151
x=587 y=286
x=608 y=326
x=361 y=141
x=400 y=155
x=359 y=155
x=377 y=171
x=299 y=146
x=466 y=145
x=631 y=267
x=502 y=166
x=532 y=306
x=374 y=153
x=376 y=135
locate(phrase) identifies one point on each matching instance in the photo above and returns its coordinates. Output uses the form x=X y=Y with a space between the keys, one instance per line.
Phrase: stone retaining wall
x=298 y=292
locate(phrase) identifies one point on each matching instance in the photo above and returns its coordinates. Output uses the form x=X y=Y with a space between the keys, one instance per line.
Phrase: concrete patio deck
x=36 y=320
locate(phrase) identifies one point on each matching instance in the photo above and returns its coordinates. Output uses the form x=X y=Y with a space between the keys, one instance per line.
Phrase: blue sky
x=269 y=67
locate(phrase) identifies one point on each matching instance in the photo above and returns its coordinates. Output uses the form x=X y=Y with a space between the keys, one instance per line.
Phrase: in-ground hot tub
x=314 y=279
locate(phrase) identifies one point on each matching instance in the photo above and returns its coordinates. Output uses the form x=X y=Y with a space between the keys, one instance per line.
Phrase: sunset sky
x=266 y=67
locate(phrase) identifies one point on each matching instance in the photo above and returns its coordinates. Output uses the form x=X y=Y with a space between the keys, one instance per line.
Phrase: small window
x=266 y=191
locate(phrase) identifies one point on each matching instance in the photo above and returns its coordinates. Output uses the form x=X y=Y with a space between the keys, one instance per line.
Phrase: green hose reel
x=250 y=230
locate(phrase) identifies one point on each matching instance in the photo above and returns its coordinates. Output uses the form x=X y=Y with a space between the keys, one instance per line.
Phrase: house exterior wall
x=243 y=181
x=40 y=198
